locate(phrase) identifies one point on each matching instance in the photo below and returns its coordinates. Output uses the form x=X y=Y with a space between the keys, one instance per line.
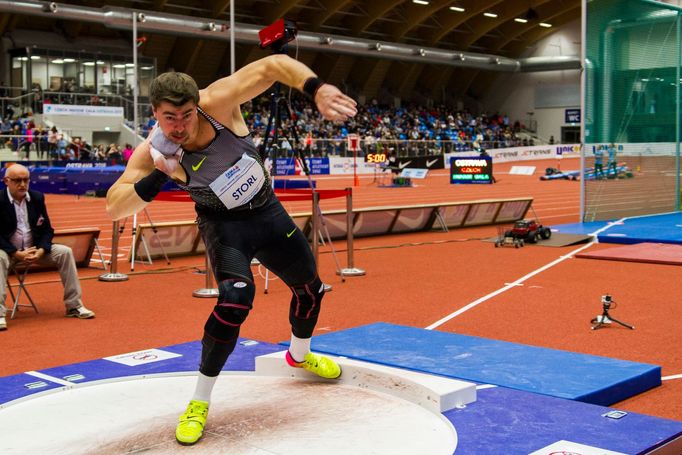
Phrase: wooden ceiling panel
x=432 y=25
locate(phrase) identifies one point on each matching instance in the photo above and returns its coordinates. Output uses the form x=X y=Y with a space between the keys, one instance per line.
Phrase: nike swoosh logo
x=430 y=163
x=195 y=167
x=403 y=165
x=289 y=234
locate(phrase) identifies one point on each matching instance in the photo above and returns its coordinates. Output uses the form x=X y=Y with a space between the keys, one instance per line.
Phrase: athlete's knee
x=235 y=300
x=306 y=299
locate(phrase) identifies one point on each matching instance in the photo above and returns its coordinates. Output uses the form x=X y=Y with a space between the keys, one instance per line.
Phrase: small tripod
x=605 y=317
x=135 y=234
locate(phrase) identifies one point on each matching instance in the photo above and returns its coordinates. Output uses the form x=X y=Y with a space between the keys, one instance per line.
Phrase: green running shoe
x=318 y=364
x=192 y=422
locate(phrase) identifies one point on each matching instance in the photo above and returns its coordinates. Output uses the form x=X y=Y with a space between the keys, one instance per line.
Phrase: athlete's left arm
x=252 y=80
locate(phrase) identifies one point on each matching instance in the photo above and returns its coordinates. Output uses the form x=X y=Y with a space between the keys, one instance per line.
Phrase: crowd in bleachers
x=35 y=141
x=406 y=129
x=377 y=123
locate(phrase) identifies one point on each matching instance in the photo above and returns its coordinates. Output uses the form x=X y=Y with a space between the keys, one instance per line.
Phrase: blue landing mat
x=665 y=228
x=580 y=377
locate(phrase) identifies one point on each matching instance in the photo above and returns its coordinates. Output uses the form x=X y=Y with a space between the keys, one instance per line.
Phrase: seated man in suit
x=26 y=237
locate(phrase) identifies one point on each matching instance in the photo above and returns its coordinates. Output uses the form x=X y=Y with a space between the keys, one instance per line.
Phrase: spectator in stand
x=52 y=142
x=74 y=148
x=99 y=153
x=61 y=147
x=113 y=154
x=127 y=152
x=85 y=152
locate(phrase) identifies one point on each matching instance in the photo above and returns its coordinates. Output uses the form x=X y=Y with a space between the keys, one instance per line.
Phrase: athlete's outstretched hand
x=333 y=104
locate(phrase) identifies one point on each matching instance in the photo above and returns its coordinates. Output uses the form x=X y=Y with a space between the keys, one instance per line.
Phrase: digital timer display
x=378 y=158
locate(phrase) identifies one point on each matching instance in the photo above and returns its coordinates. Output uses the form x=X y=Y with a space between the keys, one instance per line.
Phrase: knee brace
x=305 y=307
x=221 y=331
x=235 y=300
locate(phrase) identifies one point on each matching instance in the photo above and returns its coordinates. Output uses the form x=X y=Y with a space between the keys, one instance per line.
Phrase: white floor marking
x=48 y=378
x=523 y=278
x=675 y=376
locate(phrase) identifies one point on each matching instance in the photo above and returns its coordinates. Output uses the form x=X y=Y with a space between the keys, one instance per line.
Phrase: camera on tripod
x=277 y=34
x=606 y=301
x=605 y=318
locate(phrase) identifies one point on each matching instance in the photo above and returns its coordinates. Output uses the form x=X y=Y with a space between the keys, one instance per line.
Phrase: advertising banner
x=74 y=109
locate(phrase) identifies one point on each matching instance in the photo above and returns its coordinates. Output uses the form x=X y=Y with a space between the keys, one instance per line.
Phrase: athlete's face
x=178 y=123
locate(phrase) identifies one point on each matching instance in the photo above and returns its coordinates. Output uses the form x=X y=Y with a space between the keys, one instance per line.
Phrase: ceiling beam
x=279 y=11
x=416 y=14
x=453 y=20
x=219 y=7
x=329 y=9
x=536 y=34
x=507 y=12
x=159 y=5
x=376 y=10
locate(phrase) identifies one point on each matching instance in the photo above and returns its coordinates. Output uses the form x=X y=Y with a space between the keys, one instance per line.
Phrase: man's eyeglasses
x=20 y=180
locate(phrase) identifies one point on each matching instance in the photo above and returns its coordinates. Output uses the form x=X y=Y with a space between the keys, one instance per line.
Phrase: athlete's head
x=174 y=98
x=175 y=88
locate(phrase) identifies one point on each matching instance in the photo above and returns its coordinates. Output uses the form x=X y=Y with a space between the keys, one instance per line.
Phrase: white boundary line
x=518 y=282
x=49 y=378
x=668 y=378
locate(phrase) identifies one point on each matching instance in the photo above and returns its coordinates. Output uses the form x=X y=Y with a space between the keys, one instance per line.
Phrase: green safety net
x=632 y=96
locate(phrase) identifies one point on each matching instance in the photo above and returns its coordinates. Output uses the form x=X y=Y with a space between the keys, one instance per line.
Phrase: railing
x=401 y=148
x=319 y=147
x=33 y=102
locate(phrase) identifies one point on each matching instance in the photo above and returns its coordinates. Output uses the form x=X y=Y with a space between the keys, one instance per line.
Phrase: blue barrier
x=293 y=184
x=78 y=180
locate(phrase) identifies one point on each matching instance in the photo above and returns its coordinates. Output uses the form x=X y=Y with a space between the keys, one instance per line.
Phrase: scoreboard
x=471 y=169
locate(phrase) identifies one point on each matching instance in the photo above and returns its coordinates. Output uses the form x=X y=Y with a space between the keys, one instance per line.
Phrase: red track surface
x=414 y=279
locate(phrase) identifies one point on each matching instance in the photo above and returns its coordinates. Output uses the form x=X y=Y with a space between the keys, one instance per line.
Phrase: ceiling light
x=88 y=63
x=58 y=61
x=35 y=57
x=545 y=24
x=119 y=65
x=69 y=60
x=457 y=8
x=490 y=15
x=520 y=20
x=420 y=2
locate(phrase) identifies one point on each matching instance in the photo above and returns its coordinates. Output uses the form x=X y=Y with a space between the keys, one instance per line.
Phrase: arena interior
x=498 y=229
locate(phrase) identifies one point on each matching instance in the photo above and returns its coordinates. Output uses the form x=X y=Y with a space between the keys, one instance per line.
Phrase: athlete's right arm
x=122 y=199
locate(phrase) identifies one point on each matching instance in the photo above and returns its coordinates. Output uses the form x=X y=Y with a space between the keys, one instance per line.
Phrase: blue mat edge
x=645 y=380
